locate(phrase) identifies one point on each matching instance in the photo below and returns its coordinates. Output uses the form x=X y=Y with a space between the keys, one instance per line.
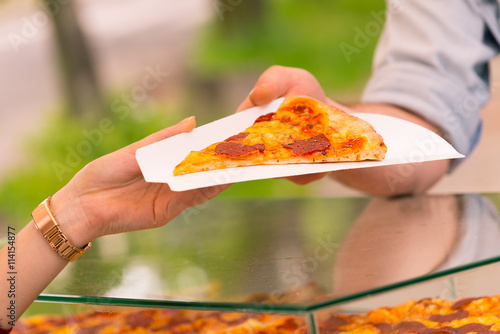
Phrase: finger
x=125 y=157
x=265 y=92
x=271 y=85
x=279 y=81
x=262 y=94
x=185 y=125
x=247 y=104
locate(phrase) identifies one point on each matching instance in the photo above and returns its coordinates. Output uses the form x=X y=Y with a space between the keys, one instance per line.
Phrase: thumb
x=264 y=93
x=272 y=84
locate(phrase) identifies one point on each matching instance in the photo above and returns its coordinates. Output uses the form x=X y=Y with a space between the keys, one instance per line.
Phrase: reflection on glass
x=138 y=281
x=398 y=239
x=289 y=255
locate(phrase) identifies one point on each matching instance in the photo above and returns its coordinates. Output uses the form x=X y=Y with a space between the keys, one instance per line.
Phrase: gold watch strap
x=47 y=224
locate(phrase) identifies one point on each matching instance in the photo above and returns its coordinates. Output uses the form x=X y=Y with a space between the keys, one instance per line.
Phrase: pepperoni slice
x=460 y=314
x=468 y=328
x=334 y=322
x=237 y=137
x=383 y=327
x=236 y=150
x=317 y=143
x=409 y=327
x=289 y=326
x=472 y=327
x=444 y=330
x=264 y=118
x=462 y=302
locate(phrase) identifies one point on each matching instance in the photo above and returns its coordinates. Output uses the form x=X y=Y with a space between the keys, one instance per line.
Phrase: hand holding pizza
x=107 y=196
x=110 y=195
x=279 y=81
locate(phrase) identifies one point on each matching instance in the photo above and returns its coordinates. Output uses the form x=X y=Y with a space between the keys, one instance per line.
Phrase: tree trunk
x=82 y=89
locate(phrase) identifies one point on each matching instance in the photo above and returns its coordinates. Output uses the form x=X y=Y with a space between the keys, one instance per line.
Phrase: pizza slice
x=302 y=130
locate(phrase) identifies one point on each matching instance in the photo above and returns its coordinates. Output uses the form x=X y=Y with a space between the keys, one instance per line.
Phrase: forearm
x=34 y=263
x=396 y=179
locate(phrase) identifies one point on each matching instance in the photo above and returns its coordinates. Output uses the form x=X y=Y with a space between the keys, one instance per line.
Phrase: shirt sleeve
x=432 y=60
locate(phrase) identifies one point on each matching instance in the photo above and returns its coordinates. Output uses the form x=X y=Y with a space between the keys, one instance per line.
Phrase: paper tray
x=406 y=143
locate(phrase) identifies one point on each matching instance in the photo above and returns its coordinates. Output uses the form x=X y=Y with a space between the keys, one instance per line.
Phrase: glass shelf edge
x=154 y=303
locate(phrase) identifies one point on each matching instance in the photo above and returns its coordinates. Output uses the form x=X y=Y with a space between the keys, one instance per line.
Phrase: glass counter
x=288 y=256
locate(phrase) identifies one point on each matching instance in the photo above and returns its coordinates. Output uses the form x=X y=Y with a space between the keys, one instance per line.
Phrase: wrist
x=71 y=217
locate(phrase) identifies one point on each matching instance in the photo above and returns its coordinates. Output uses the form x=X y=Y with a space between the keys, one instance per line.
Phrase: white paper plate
x=406 y=143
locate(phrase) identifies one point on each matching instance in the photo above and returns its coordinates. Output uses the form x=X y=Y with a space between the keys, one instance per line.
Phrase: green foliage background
x=298 y=34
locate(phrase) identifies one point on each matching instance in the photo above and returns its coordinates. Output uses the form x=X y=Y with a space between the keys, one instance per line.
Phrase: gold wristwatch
x=46 y=223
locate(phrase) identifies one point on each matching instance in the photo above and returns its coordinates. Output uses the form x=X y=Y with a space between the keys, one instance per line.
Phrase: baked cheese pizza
x=426 y=316
x=302 y=130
